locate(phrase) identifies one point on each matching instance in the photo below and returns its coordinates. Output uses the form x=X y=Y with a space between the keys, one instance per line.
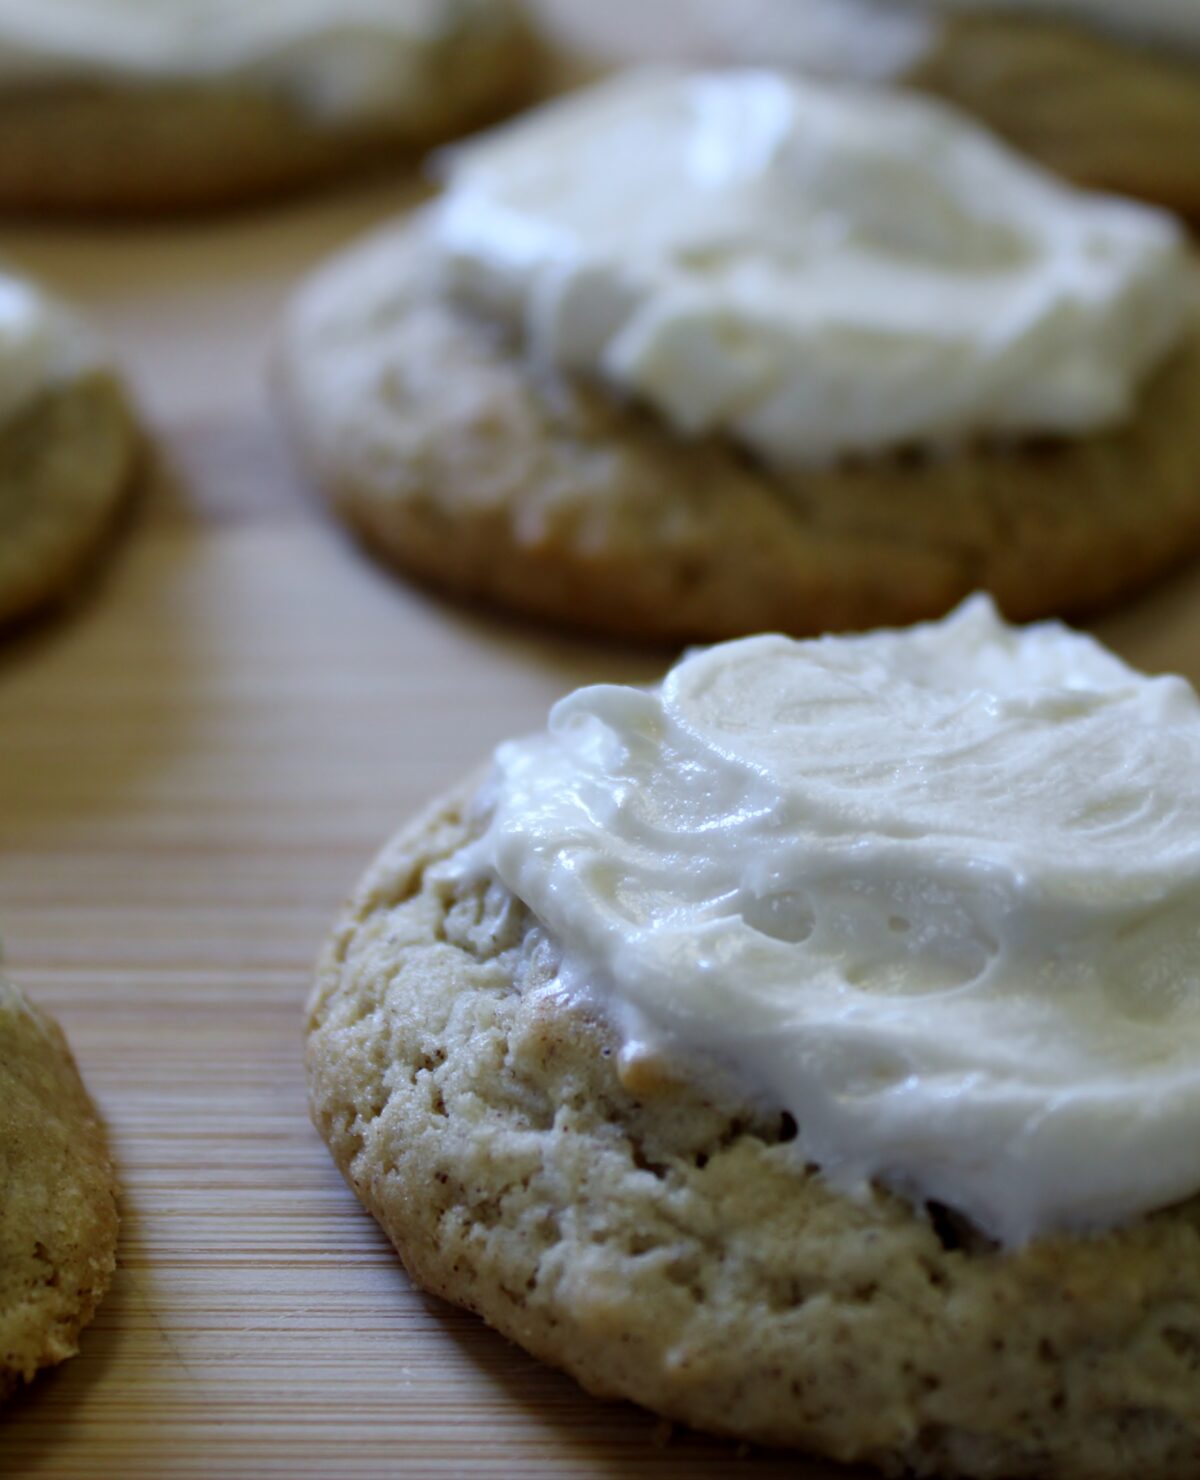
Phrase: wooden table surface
x=194 y=767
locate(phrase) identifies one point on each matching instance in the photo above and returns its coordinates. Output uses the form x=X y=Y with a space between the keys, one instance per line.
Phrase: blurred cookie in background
x=133 y=106
x=692 y=355
x=58 y=1192
x=68 y=449
x=1102 y=91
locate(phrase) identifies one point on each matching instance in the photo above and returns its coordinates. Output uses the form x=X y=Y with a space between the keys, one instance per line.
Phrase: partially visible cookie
x=58 y=1196
x=1102 y=93
x=461 y=463
x=1105 y=113
x=66 y=466
x=256 y=103
x=657 y=1237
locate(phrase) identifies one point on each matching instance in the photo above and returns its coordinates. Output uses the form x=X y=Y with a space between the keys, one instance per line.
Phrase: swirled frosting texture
x=815 y=269
x=42 y=343
x=335 y=57
x=935 y=892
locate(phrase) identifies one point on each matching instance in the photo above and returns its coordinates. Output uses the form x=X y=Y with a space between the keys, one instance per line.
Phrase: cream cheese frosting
x=936 y=892
x=815 y=269
x=335 y=57
x=42 y=343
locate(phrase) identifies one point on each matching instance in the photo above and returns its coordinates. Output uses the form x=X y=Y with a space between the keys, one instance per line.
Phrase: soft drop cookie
x=58 y=1196
x=129 y=106
x=68 y=449
x=627 y=1185
x=1107 y=114
x=512 y=431
x=1102 y=91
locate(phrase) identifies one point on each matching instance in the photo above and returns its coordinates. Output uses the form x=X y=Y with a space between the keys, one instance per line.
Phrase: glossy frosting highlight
x=936 y=892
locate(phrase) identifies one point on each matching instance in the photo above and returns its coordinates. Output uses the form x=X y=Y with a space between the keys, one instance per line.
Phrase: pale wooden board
x=193 y=769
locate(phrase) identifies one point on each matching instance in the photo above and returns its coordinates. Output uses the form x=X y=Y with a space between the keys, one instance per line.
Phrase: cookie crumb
x=643 y=1072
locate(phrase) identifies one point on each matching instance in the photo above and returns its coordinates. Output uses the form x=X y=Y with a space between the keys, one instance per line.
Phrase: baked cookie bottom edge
x=58 y=1235
x=161 y=149
x=459 y=465
x=68 y=463
x=1107 y=115
x=659 y=1239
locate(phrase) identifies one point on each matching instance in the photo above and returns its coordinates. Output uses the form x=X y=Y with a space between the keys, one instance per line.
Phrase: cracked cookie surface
x=463 y=466
x=650 y=1229
x=58 y=1208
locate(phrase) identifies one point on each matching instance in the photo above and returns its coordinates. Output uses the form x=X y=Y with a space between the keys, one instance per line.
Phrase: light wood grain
x=194 y=767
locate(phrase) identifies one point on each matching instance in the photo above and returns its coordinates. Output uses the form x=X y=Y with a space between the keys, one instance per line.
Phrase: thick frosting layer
x=42 y=343
x=335 y=56
x=816 y=269
x=935 y=892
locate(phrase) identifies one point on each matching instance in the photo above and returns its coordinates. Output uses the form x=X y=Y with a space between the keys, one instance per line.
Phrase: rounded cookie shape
x=1088 y=105
x=106 y=145
x=645 y=1226
x=67 y=460
x=464 y=465
x=58 y=1232
x=1103 y=99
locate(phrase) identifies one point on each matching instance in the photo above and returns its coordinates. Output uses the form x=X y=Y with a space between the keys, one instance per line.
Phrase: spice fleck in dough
x=647 y=1229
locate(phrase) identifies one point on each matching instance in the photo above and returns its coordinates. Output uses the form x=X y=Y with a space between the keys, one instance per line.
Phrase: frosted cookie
x=1082 y=93
x=68 y=449
x=807 y=1049
x=1103 y=91
x=140 y=105
x=688 y=356
x=58 y=1230
x=1106 y=92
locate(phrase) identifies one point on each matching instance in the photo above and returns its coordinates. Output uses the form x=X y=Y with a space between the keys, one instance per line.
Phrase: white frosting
x=813 y=268
x=42 y=343
x=935 y=892
x=335 y=56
